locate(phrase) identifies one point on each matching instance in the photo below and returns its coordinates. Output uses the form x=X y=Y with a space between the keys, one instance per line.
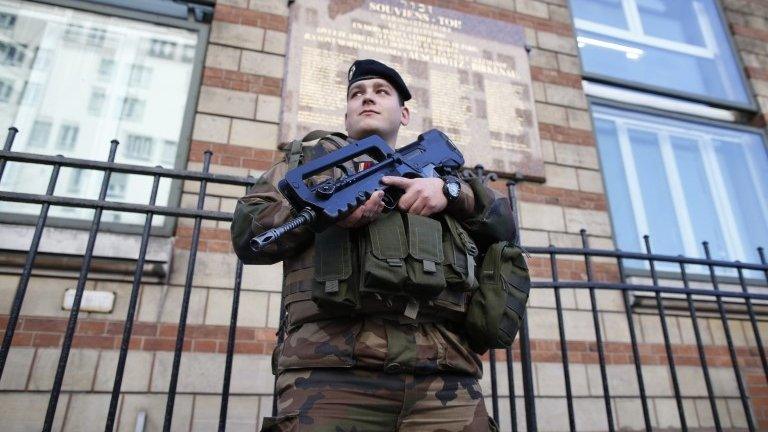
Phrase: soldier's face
x=373 y=107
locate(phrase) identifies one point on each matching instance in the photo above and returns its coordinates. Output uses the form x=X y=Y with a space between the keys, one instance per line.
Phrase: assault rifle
x=320 y=205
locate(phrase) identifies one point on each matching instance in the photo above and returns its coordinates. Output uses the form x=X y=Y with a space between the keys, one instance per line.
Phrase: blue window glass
x=683 y=183
x=679 y=46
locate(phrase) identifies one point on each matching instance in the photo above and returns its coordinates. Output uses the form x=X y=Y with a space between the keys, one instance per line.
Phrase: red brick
x=144 y=329
x=223 y=247
x=205 y=233
x=204 y=346
x=555 y=77
x=242 y=81
x=249 y=348
x=266 y=334
x=91 y=327
x=756 y=379
x=208 y=332
x=245 y=334
x=135 y=343
x=45 y=325
x=22 y=339
x=566 y=135
x=533 y=192
x=757 y=73
x=168 y=331
x=256 y=164
x=46 y=340
x=545 y=356
x=751 y=33
x=91 y=341
x=250 y=17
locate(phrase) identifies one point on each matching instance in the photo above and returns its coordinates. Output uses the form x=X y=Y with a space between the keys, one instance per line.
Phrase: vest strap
x=295 y=153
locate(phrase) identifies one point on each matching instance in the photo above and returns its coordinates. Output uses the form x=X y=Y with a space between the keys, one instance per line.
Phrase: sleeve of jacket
x=485 y=213
x=262 y=208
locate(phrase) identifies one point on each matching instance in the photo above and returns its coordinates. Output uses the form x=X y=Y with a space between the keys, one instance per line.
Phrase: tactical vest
x=405 y=266
x=408 y=268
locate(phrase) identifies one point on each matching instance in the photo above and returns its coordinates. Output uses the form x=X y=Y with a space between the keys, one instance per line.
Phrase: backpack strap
x=296 y=150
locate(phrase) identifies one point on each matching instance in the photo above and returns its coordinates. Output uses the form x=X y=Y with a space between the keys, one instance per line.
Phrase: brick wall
x=237 y=118
x=748 y=21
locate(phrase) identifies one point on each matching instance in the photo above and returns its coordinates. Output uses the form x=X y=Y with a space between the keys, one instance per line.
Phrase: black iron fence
x=599 y=271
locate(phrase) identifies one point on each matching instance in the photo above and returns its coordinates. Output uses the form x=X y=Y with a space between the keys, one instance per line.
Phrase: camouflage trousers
x=356 y=400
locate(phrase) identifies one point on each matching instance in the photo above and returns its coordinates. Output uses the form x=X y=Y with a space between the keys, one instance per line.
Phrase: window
x=679 y=47
x=138 y=147
x=6 y=90
x=73 y=32
x=96 y=37
x=140 y=76
x=162 y=49
x=96 y=102
x=188 y=54
x=76 y=179
x=67 y=137
x=82 y=79
x=32 y=94
x=169 y=154
x=106 y=68
x=42 y=59
x=7 y=21
x=117 y=184
x=12 y=54
x=683 y=183
x=132 y=109
x=682 y=180
x=38 y=137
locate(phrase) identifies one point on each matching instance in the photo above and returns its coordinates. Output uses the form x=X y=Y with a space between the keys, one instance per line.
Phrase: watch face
x=453 y=189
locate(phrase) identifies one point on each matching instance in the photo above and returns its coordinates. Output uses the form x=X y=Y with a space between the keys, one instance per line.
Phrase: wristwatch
x=451 y=188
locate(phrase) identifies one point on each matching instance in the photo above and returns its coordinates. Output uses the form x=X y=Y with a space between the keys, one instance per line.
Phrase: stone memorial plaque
x=469 y=75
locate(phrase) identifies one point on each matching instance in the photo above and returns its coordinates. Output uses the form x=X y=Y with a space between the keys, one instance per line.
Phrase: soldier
x=364 y=349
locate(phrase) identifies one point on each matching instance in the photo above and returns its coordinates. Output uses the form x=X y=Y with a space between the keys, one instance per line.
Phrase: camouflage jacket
x=315 y=338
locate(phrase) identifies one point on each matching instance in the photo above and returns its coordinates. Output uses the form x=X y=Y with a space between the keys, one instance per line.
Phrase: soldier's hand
x=423 y=196
x=366 y=213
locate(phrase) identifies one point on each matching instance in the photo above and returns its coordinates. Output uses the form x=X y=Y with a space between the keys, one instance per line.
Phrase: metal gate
x=611 y=273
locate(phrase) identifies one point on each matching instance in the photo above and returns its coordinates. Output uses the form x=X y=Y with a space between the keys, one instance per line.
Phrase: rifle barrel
x=305 y=217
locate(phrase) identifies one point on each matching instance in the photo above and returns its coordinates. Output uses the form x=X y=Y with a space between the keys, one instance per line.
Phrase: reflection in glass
x=683 y=183
x=679 y=46
x=71 y=81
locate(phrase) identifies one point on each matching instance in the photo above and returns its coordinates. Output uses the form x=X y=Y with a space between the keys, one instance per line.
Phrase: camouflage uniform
x=395 y=370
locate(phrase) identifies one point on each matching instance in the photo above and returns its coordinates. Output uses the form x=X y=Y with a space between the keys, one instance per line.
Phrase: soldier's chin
x=366 y=130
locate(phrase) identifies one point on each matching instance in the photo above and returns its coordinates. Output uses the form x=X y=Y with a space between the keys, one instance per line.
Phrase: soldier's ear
x=405 y=116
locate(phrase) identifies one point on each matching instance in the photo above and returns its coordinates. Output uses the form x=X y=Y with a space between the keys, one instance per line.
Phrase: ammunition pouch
x=335 y=284
x=424 y=263
x=497 y=308
x=385 y=248
x=459 y=260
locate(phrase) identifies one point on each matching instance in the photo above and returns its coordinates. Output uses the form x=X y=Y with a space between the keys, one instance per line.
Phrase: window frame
x=168 y=227
x=751 y=107
x=627 y=106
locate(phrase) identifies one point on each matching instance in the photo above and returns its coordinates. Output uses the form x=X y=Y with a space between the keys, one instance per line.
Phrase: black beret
x=368 y=69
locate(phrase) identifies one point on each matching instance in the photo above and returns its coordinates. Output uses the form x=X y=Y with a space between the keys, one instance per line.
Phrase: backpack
x=497 y=307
